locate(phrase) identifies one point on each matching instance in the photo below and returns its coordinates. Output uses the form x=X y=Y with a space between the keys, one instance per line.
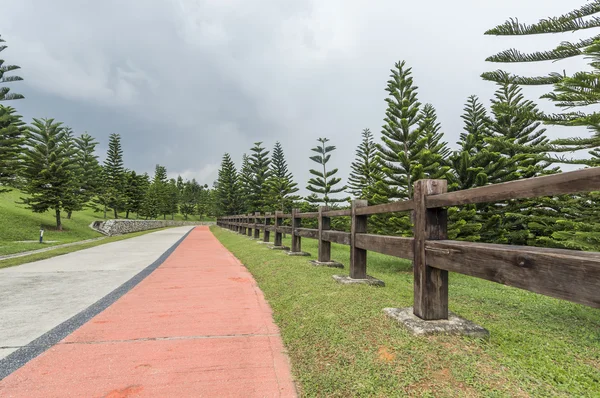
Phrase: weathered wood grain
x=338 y=213
x=308 y=215
x=391 y=245
x=324 y=254
x=430 y=284
x=358 y=256
x=343 y=238
x=585 y=180
x=308 y=233
x=386 y=208
x=565 y=274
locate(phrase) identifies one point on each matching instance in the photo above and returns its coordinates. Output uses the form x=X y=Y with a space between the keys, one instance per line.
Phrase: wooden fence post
x=267 y=234
x=358 y=257
x=256 y=230
x=248 y=218
x=430 y=284
x=296 y=240
x=324 y=246
x=278 y=234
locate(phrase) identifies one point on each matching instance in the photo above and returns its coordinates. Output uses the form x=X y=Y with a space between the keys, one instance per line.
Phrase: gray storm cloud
x=185 y=81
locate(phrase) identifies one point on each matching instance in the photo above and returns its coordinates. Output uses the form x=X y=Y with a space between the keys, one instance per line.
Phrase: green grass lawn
x=341 y=344
x=12 y=262
x=20 y=224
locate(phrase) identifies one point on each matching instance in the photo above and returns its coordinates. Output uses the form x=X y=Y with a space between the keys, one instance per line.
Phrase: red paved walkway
x=198 y=326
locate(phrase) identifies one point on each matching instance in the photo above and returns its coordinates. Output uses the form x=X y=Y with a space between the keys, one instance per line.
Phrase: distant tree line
x=503 y=142
x=60 y=172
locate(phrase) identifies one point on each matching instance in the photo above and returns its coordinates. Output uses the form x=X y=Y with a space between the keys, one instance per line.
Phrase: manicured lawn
x=341 y=344
x=18 y=224
x=12 y=262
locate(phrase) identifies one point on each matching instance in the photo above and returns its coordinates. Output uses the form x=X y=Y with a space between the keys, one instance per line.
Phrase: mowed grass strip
x=341 y=344
x=12 y=262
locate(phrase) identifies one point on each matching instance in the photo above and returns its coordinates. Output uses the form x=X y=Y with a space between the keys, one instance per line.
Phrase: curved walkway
x=197 y=326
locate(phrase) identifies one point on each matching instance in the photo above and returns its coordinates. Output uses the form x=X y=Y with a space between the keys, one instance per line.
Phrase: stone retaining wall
x=120 y=227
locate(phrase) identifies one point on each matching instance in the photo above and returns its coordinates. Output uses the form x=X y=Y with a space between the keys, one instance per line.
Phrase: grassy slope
x=19 y=224
x=341 y=344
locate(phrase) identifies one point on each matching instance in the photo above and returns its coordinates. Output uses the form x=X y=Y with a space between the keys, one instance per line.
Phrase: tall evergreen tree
x=365 y=170
x=281 y=183
x=246 y=183
x=227 y=188
x=579 y=89
x=12 y=136
x=5 y=94
x=410 y=148
x=519 y=139
x=259 y=164
x=46 y=168
x=89 y=167
x=115 y=174
x=172 y=198
x=324 y=182
x=136 y=187
x=84 y=169
x=189 y=198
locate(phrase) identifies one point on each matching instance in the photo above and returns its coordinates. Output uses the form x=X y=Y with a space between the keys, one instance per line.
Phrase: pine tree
x=88 y=165
x=205 y=198
x=259 y=164
x=281 y=183
x=172 y=198
x=579 y=89
x=188 y=198
x=136 y=187
x=324 y=182
x=520 y=141
x=84 y=169
x=46 y=168
x=473 y=165
x=366 y=170
x=410 y=148
x=115 y=174
x=12 y=136
x=151 y=204
x=245 y=182
x=228 y=189
x=5 y=94
x=161 y=190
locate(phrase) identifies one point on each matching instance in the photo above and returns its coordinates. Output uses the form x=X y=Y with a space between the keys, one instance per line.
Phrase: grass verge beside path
x=342 y=345
x=12 y=262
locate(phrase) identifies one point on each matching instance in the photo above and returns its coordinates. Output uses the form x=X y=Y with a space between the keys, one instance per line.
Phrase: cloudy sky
x=184 y=81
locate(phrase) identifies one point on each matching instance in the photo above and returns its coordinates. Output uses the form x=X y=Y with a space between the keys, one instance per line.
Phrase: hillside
x=18 y=225
x=20 y=228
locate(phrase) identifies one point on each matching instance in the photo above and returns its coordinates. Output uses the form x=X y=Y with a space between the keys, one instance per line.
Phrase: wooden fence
x=564 y=274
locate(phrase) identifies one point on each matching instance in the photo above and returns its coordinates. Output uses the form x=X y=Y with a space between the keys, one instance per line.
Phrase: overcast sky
x=184 y=81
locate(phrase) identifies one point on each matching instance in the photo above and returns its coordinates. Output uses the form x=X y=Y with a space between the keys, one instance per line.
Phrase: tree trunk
x=69 y=214
x=127 y=214
x=116 y=214
x=105 y=212
x=58 y=222
x=185 y=217
x=164 y=216
x=172 y=216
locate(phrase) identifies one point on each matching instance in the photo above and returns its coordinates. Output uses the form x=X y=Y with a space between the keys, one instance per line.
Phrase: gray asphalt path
x=36 y=297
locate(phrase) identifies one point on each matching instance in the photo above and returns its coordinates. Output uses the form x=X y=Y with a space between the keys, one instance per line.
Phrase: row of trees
x=60 y=172
x=503 y=142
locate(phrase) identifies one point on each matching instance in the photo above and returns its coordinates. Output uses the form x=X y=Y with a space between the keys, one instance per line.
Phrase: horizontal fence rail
x=564 y=274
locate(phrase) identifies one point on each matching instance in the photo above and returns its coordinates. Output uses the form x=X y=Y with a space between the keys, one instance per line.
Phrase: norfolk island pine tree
x=324 y=183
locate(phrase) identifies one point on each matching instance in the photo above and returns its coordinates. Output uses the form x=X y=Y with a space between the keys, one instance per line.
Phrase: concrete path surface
x=197 y=326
